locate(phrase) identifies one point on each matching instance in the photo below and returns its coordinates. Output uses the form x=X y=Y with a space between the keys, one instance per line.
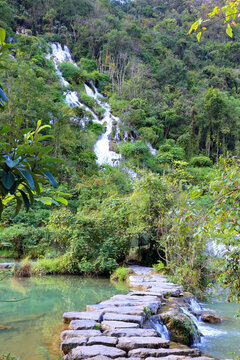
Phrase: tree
x=226 y=13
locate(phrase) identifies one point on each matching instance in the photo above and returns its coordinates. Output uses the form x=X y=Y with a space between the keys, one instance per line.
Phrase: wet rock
x=102 y=340
x=210 y=317
x=110 y=325
x=181 y=327
x=123 y=317
x=145 y=353
x=82 y=324
x=131 y=343
x=85 y=315
x=131 y=332
x=67 y=334
x=84 y=352
x=69 y=344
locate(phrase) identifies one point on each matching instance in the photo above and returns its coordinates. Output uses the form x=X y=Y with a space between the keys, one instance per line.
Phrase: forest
x=172 y=198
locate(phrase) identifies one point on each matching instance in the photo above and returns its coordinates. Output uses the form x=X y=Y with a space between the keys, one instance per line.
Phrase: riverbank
x=128 y=326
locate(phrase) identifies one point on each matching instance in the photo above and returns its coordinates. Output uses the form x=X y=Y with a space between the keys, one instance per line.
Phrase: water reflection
x=35 y=322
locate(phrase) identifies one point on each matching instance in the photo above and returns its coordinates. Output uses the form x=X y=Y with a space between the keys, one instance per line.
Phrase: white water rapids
x=72 y=98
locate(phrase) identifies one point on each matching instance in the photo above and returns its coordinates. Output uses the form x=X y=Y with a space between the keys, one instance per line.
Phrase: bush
x=8 y=357
x=87 y=100
x=23 y=269
x=61 y=265
x=71 y=73
x=96 y=128
x=121 y=274
x=201 y=161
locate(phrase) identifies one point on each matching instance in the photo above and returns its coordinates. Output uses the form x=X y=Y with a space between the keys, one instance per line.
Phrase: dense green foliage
x=168 y=91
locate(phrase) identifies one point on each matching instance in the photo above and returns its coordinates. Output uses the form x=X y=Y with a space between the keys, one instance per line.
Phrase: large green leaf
x=50 y=178
x=27 y=175
x=25 y=200
x=8 y=180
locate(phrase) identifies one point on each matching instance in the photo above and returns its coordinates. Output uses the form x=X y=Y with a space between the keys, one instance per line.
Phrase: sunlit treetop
x=227 y=13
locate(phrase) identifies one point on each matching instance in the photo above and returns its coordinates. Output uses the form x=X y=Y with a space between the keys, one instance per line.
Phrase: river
x=36 y=322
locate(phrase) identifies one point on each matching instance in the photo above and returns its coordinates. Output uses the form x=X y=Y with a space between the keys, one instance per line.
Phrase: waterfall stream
x=72 y=98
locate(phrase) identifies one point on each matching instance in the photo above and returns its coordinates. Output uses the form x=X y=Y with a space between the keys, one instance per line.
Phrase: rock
x=129 y=310
x=210 y=317
x=86 y=315
x=133 y=297
x=99 y=357
x=69 y=344
x=144 y=352
x=131 y=343
x=67 y=334
x=182 y=328
x=82 y=324
x=84 y=352
x=131 y=332
x=123 y=317
x=109 y=325
x=102 y=340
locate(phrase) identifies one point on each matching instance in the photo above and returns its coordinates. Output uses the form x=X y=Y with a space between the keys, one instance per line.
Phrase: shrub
x=87 y=100
x=61 y=265
x=8 y=357
x=23 y=269
x=121 y=274
x=72 y=73
x=96 y=128
x=201 y=161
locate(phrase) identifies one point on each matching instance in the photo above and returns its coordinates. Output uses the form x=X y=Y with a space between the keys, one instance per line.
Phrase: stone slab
x=67 y=334
x=103 y=340
x=82 y=325
x=127 y=344
x=85 y=315
x=69 y=344
x=110 y=325
x=128 y=310
x=144 y=352
x=131 y=332
x=123 y=317
x=84 y=352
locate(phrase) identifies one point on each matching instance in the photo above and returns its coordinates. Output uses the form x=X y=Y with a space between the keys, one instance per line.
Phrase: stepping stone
x=85 y=352
x=67 y=334
x=86 y=315
x=69 y=344
x=130 y=297
x=123 y=317
x=153 y=306
x=129 y=310
x=144 y=352
x=131 y=332
x=82 y=325
x=110 y=325
x=102 y=340
x=131 y=343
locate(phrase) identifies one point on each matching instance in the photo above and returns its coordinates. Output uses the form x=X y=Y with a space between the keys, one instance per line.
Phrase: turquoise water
x=222 y=340
x=37 y=321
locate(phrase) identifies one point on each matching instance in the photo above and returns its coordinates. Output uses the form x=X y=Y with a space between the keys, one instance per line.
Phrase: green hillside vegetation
x=168 y=90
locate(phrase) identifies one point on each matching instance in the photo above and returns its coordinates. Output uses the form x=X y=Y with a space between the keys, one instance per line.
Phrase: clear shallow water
x=37 y=321
x=222 y=340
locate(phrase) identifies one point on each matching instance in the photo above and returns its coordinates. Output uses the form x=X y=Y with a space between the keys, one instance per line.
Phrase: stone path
x=116 y=329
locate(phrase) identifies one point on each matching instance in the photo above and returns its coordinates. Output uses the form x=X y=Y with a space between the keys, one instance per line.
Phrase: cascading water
x=156 y=323
x=102 y=146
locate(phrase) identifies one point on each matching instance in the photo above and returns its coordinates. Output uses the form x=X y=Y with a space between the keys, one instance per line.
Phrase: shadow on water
x=37 y=321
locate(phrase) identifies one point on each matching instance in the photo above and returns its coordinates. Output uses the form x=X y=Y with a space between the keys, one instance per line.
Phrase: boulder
x=67 y=334
x=144 y=352
x=102 y=340
x=123 y=317
x=131 y=332
x=181 y=327
x=84 y=352
x=110 y=325
x=210 y=317
x=82 y=325
x=131 y=343
x=69 y=344
x=85 y=315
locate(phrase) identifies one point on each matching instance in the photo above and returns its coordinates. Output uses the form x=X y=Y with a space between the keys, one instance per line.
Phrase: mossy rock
x=182 y=328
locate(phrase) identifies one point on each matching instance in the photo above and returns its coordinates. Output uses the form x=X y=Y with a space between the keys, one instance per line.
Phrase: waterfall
x=156 y=323
x=102 y=146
